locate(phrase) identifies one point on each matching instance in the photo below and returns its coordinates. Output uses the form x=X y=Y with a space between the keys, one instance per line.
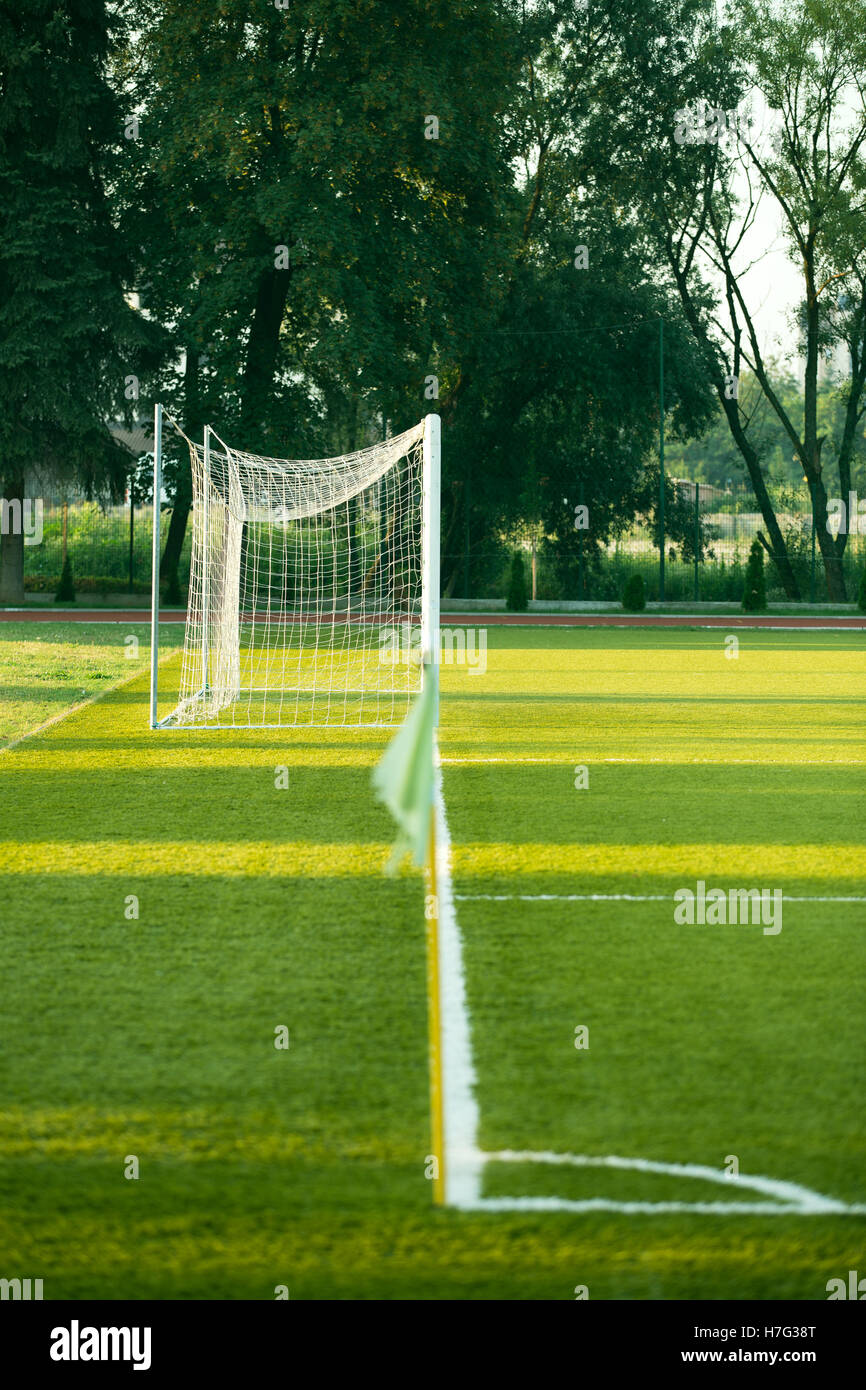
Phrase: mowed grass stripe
x=216 y=859
x=498 y=862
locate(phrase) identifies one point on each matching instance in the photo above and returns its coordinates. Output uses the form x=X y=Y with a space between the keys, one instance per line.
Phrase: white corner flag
x=403 y=777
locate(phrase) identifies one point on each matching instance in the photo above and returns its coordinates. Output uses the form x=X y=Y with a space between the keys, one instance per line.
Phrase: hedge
x=85 y=584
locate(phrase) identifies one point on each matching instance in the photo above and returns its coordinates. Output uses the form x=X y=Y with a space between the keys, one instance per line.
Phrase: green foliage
x=517 y=599
x=68 y=338
x=86 y=584
x=634 y=594
x=70 y=344
x=794 y=74
x=861 y=597
x=98 y=540
x=66 y=588
x=754 y=590
x=713 y=457
x=559 y=395
x=304 y=233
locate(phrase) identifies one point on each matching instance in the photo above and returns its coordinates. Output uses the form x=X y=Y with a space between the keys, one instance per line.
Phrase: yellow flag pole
x=434 y=1021
x=430 y=527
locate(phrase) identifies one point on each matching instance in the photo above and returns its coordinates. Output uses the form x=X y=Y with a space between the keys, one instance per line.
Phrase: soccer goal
x=314 y=584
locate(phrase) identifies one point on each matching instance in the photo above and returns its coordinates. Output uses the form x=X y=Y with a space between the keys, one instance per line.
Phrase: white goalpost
x=314 y=584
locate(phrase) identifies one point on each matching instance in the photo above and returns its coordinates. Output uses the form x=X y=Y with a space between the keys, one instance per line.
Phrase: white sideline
x=657 y=1208
x=641 y=762
x=611 y=898
x=464 y=1161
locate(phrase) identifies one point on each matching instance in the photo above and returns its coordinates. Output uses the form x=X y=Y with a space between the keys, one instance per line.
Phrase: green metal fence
x=109 y=547
x=710 y=533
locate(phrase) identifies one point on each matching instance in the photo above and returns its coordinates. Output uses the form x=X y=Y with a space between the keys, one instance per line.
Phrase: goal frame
x=430 y=562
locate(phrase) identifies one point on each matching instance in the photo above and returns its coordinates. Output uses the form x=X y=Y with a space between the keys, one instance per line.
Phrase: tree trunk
x=177 y=527
x=777 y=548
x=827 y=544
x=258 y=379
x=12 y=544
x=459 y=495
x=183 y=495
x=812 y=445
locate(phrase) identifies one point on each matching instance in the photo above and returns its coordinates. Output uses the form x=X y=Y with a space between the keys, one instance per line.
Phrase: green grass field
x=46 y=668
x=260 y=908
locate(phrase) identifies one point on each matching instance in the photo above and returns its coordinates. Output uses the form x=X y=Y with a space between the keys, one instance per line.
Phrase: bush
x=754 y=592
x=861 y=597
x=517 y=599
x=634 y=594
x=66 y=588
x=85 y=584
x=172 y=593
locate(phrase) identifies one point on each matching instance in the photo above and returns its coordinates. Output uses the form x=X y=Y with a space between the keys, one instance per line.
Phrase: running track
x=174 y=615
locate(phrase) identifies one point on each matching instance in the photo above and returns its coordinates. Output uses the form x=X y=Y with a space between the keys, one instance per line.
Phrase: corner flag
x=403 y=777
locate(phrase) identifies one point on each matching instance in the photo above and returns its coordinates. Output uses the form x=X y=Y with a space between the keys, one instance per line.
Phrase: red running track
x=141 y=615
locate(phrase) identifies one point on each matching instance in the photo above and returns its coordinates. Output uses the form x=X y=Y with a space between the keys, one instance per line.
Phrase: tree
x=634 y=594
x=700 y=177
x=516 y=599
x=66 y=587
x=315 y=191
x=70 y=345
x=714 y=457
x=808 y=61
x=754 y=590
x=558 y=393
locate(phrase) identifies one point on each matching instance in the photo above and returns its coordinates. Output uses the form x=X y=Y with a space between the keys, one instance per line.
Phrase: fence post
x=661 y=460
x=534 y=571
x=581 y=577
x=154 y=580
x=697 y=540
x=466 y=504
x=131 y=533
x=812 y=575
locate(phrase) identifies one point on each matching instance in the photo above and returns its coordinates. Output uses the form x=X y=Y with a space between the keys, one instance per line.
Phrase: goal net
x=311 y=590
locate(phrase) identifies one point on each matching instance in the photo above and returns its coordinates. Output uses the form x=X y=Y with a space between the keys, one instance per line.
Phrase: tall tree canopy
x=770 y=108
x=68 y=339
x=336 y=214
x=316 y=191
x=556 y=404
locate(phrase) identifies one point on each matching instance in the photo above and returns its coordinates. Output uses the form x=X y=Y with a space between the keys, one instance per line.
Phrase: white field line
x=464 y=1161
x=640 y=762
x=791 y=1198
x=656 y=1208
x=611 y=898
